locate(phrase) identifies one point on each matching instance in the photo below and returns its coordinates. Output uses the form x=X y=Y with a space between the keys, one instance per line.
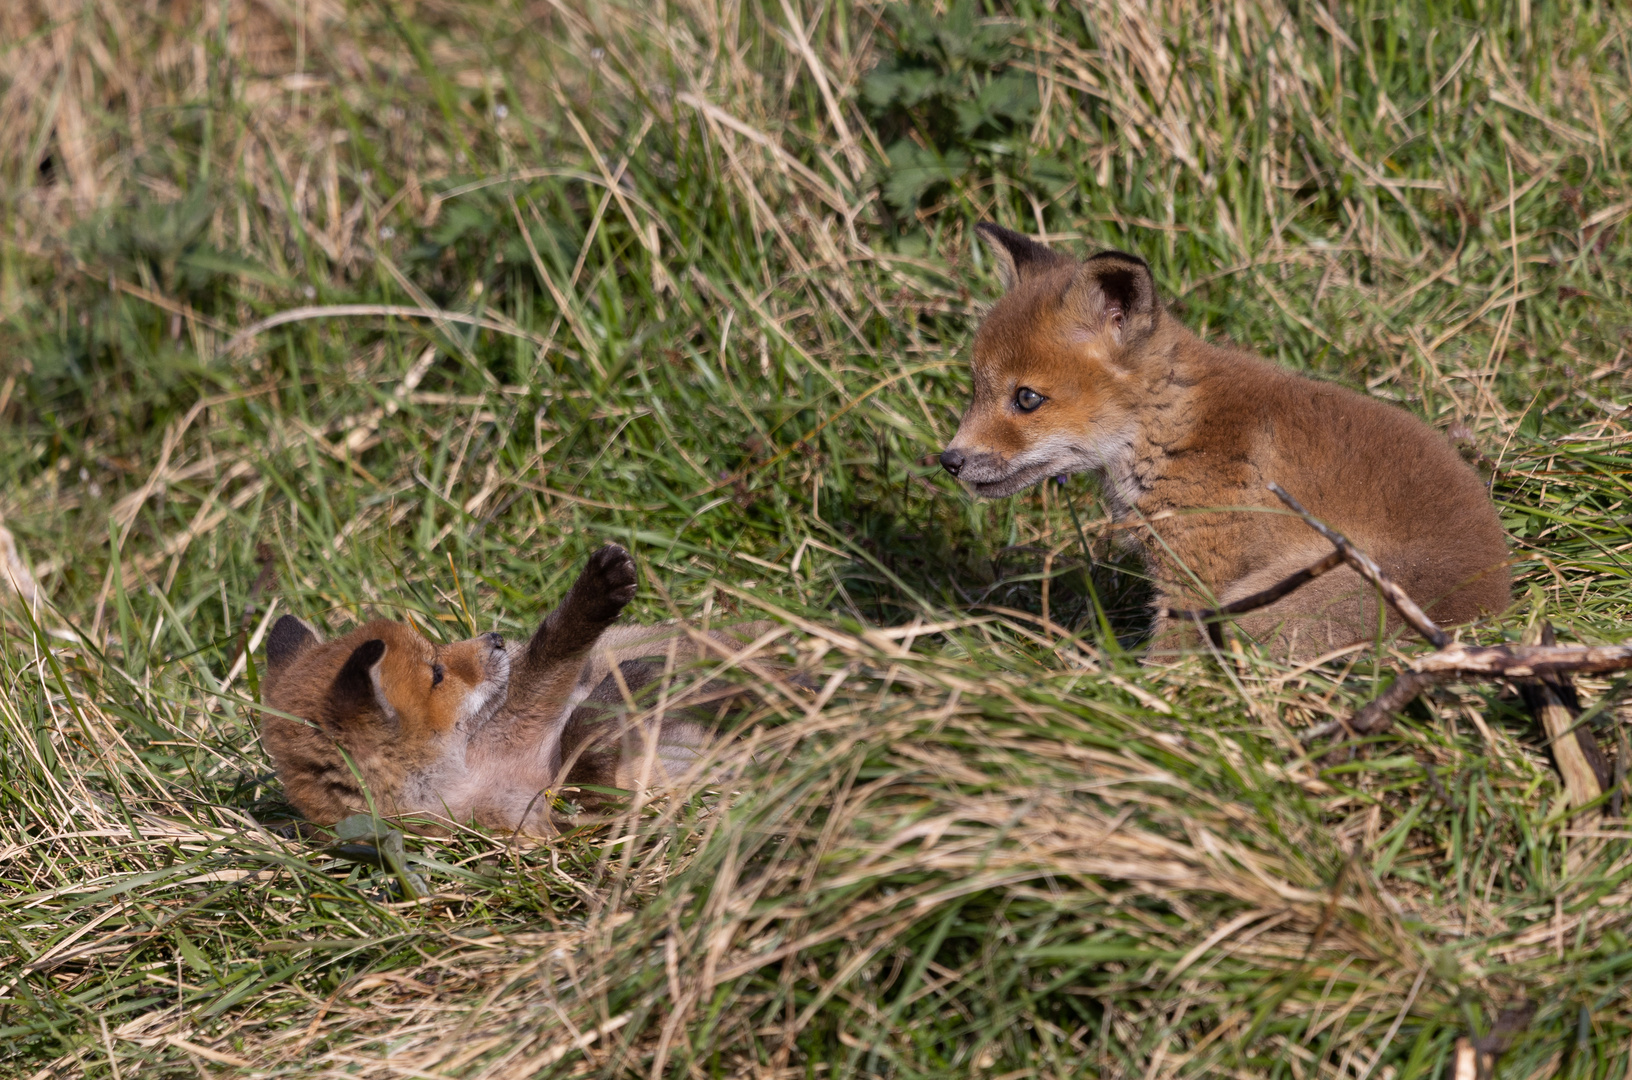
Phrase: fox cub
x=1079 y=369
x=481 y=730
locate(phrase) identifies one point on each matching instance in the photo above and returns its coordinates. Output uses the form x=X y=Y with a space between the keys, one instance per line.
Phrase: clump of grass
x=432 y=299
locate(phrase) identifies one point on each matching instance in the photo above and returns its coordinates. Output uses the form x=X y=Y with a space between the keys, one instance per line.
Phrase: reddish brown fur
x=398 y=747
x=1174 y=426
x=481 y=743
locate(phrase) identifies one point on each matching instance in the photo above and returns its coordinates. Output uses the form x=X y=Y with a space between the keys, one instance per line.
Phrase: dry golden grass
x=433 y=296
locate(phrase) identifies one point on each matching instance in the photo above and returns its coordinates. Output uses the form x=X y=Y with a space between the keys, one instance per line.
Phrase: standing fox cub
x=480 y=731
x=1079 y=369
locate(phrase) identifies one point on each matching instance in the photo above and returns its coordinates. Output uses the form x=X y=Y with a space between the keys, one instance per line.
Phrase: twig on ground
x=1211 y=616
x=1552 y=700
x=1548 y=662
x=1377 y=715
x=1524 y=661
x=1414 y=616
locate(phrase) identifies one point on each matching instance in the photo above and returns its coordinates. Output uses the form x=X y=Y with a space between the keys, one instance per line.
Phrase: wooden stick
x=1523 y=661
x=1581 y=784
x=1368 y=569
x=1547 y=662
x=1477 y=661
x=1259 y=599
x=1552 y=700
x=1377 y=716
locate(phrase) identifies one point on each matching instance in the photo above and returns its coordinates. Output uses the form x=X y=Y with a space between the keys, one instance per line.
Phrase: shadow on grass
x=911 y=560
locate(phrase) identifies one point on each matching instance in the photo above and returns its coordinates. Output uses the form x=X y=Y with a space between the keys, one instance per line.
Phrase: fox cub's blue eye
x=1026 y=399
x=436 y=674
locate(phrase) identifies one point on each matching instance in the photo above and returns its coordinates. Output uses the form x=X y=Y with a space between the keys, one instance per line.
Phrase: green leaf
x=355 y=827
x=907 y=88
x=365 y=841
x=1010 y=97
x=1051 y=171
x=914 y=170
x=206 y=261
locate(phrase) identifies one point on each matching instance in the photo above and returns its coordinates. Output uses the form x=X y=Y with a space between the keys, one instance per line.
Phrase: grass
x=699 y=278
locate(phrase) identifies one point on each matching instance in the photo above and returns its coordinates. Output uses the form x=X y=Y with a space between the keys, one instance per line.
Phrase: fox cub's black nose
x=495 y=639
x=952 y=461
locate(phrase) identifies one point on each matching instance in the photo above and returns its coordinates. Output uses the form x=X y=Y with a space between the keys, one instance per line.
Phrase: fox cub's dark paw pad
x=607 y=583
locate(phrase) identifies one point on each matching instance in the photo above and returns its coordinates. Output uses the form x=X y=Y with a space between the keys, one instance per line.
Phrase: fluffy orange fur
x=380 y=707
x=483 y=731
x=1078 y=368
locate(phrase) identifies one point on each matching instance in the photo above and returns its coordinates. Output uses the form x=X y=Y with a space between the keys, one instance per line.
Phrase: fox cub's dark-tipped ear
x=1115 y=291
x=289 y=638
x=353 y=689
x=1018 y=257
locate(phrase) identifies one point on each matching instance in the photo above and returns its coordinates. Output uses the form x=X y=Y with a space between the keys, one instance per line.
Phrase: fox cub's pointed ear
x=1018 y=257
x=353 y=689
x=289 y=638
x=1115 y=291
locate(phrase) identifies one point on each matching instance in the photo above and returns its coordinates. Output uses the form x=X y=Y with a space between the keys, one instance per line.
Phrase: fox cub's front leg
x=550 y=662
x=545 y=672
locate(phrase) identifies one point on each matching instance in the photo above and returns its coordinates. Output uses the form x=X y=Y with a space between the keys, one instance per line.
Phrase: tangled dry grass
x=428 y=298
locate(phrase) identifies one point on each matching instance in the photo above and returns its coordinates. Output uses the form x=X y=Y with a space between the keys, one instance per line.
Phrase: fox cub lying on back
x=1078 y=369
x=480 y=730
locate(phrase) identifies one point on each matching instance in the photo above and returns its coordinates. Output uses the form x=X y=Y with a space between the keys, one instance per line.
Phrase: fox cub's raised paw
x=596 y=599
x=605 y=586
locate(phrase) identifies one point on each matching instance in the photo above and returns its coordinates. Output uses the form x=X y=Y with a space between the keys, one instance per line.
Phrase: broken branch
x=1258 y=599
x=1368 y=569
x=1552 y=700
x=1524 y=661
x=1548 y=662
x=1377 y=715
